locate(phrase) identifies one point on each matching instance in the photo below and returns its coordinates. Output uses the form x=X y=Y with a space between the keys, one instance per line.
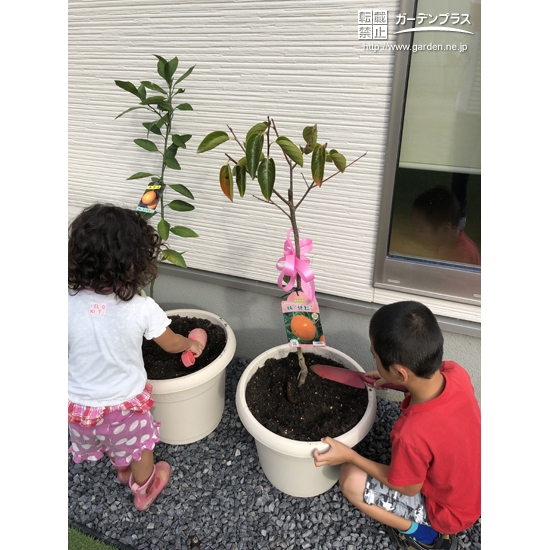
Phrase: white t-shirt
x=105 y=339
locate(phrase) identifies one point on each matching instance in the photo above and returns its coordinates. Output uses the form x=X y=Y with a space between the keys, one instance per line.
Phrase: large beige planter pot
x=191 y=407
x=289 y=464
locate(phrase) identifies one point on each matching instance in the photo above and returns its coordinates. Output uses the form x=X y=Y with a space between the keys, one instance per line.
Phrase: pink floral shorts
x=122 y=435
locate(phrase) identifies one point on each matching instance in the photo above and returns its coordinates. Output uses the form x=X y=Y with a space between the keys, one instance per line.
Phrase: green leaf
x=184 y=107
x=152 y=127
x=259 y=128
x=165 y=106
x=153 y=86
x=181 y=231
x=338 y=159
x=310 y=136
x=171 y=151
x=181 y=206
x=266 y=177
x=128 y=86
x=180 y=141
x=182 y=190
x=171 y=69
x=226 y=181
x=212 y=140
x=142 y=92
x=171 y=162
x=163 y=228
x=161 y=65
x=254 y=147
x=139 y=175
x=318 y=164
x=186 y=74
x=153 y=100
x=147 y=215
x=146 y=144
x=240 y=176
x=174 y=257
x=291 y=150
x=163 y=120
x=128 y=110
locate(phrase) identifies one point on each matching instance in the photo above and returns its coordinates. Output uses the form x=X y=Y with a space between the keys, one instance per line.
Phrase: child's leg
x=406 y=516
x=123 y=472
x=143 y=468
x=352 y=485
x=147 y=488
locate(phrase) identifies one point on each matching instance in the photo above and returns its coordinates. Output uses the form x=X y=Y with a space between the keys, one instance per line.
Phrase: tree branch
x=326 y=179
x=274 y=204
x=347 y=166
x=237 y=139
x=231 y=159
x=281 y=197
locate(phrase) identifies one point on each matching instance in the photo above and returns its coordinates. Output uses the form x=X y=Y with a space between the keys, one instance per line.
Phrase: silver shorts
x=413 y=508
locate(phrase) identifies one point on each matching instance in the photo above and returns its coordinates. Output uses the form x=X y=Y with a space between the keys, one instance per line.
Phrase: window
x=429 y=238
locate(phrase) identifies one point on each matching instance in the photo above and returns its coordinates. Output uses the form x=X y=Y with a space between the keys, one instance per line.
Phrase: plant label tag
x=150 y=199
x=302 y=321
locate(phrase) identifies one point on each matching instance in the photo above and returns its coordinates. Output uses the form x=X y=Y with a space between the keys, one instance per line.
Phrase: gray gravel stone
x=218 y=497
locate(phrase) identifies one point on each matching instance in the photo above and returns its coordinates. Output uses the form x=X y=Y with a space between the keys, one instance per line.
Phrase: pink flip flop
x=187 y=357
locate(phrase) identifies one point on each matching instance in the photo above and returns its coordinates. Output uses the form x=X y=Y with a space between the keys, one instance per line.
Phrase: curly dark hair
x=112 y=250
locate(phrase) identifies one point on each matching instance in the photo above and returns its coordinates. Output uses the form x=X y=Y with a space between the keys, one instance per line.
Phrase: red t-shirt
x=466 y=250
x=438 y=443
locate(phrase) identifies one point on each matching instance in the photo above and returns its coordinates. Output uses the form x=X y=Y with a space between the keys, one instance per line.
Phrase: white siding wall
x=297 y=61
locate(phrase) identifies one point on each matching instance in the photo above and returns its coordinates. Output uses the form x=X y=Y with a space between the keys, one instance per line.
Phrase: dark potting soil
x=323 y=407
x=161 y=365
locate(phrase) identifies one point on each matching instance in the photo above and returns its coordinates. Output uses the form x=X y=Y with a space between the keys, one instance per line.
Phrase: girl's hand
x=196 y=347
x=337 y=454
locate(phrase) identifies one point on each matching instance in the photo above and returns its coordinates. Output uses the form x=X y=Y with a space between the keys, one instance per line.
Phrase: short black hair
x=407 y=333
x=112 y=250
x=438 y=205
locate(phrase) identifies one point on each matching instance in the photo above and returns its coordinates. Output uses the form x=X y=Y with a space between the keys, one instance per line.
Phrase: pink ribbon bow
x=294 y=266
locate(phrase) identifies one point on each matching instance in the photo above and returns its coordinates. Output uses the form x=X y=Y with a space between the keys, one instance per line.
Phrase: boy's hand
x=379 y=380
x=337 y=454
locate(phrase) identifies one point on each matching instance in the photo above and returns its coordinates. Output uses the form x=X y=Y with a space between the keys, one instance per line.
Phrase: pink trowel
x=352 y=378
x=187 y=357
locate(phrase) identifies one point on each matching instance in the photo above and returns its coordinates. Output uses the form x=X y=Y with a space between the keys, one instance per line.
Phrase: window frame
x=419 y=277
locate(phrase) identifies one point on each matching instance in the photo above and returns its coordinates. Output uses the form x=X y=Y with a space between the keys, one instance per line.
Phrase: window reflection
x=437 y=192
x=436 y=220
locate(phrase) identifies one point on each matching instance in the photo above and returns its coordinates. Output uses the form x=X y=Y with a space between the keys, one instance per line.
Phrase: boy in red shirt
x=432 y=487
x=436 y=219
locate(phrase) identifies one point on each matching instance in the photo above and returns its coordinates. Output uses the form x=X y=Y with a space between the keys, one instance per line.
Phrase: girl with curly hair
x=113 y=253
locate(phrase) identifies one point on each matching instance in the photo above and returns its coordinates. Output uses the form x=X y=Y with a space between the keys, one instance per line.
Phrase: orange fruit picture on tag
x=302 y=327
x=149 y=197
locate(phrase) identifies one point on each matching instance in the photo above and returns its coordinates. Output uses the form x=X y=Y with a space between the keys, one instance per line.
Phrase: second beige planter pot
x=289 y=464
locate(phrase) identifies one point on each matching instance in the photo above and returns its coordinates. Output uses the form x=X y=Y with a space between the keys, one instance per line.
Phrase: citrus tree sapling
x=163 y=102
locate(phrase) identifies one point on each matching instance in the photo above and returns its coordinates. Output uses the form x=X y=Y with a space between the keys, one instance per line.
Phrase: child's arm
x=176 y=343
x=340 y=453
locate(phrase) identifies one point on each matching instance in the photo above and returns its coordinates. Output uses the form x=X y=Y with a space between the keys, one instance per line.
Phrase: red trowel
x=187 y=357
x=352 y=378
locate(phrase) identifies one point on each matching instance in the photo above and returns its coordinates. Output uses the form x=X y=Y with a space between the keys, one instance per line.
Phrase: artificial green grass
x=81 y=541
